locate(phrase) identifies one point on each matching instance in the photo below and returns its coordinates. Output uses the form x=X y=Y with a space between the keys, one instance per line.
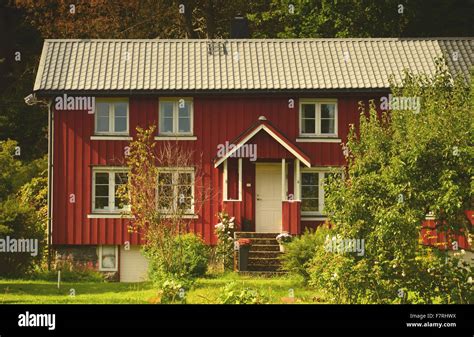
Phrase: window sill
x=111 y=137
x=313 y=217
x=176 y=138
x=184 y=216
x=108 y=270
x=318 y=140
x=109 y=216
x=227 y=200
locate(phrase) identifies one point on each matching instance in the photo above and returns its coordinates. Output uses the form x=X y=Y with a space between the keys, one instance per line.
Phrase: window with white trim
x=108 y=258
x=176 y=190
x=312 y=191
x=318 y=118
x=105 y=187
x=175 y=117
x=111 y=117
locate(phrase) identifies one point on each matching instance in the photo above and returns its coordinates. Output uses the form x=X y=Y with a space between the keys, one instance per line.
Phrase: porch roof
x=263 y=124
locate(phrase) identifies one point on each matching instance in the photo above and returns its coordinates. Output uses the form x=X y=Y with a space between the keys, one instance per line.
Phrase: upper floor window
x=106 y=183
x=318 y=118
x=111 y=116
x=312 y=191
x=176 y=190
x=176 y=116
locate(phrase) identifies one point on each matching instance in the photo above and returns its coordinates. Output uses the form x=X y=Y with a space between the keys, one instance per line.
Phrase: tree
x=164 y=186
x=402 y=165
x=361 y=18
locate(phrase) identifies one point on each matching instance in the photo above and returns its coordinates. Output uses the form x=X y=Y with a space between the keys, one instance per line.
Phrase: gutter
x=50 y=180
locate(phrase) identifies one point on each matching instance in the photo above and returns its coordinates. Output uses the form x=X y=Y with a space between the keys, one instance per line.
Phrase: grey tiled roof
x=247 y=64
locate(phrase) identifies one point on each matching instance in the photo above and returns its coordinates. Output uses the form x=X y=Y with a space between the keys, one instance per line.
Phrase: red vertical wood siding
x=291 y=217
x=217 y=119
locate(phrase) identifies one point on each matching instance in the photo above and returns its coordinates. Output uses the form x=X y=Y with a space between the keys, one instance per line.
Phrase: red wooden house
x=280 y=109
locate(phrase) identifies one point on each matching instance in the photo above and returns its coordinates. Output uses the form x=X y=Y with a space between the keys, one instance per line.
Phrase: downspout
x=50 y=180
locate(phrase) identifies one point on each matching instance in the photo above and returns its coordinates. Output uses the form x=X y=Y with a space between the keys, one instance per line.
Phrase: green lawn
x=205 y=290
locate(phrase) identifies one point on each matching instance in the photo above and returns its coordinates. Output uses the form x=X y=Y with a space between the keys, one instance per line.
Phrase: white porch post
x=240 y=179
x=224 y=178
x=283 y=176
x=297 y=177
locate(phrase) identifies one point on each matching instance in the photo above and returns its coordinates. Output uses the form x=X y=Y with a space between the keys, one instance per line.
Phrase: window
x=312 y=191
x=318 y=118
x=176 y=190
x=111 y=117
x=108 y=258
x=176 y=117
x=106 y=183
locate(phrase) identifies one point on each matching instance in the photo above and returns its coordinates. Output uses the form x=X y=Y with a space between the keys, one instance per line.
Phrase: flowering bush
x=225 y=236
x=283 y=238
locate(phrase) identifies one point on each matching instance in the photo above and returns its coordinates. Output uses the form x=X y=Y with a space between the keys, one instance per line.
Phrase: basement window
x=111 y=117
x=318 y=118
x=105 y=186
x=108 y=258
x=175 y=117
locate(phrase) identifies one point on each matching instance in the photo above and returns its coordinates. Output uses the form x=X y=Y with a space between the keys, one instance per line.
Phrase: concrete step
x=263 y=241
x=251 y=235
x=265 y=268
x=264 y=248
x=264 y=261
x=262 y=273
x=264 y=254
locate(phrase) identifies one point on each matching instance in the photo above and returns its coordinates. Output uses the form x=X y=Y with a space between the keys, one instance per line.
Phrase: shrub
x=186 y=258
x=19 y=222
x=234 y=293
x=301 y=250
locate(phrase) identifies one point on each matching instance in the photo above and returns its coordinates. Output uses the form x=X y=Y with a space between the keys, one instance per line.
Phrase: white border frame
x=110 y=101
x=116 y=258
x=108 y=170
x=320 y=170
x=174 y=171
x=176 y=133
x=317 y=102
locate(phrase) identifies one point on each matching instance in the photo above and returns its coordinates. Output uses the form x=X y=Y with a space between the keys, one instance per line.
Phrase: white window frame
x=317 y=103
x=175 y=171
x=321 y=173
x=116 y=259
x=111 y=172
x=175 y=101
x=111 y=102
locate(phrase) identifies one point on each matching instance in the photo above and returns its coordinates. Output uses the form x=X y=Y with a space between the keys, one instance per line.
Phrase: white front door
x=268 y=198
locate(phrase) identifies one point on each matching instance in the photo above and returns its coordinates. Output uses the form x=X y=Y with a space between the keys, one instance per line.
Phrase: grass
x=206 y=290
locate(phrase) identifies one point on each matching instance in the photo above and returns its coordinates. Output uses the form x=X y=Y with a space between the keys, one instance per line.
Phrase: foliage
x=301 y=250
x=71 y=271
x=19 y=222
x=389 y=187
x=186 y=258
x=361 y=18
x=172 y=292
x=233 y=293
x=225 y=240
